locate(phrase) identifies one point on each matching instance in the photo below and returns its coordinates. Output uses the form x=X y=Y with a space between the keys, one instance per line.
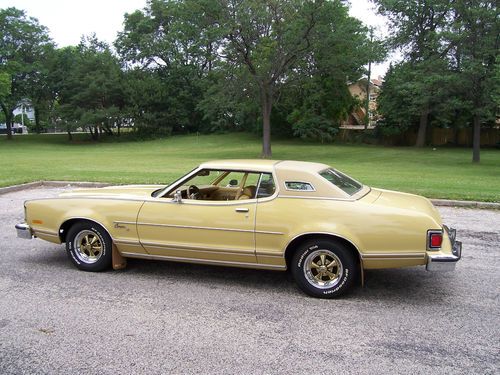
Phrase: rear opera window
x=298 y=186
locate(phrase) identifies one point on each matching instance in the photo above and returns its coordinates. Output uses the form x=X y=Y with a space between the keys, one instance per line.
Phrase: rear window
x=341 y=180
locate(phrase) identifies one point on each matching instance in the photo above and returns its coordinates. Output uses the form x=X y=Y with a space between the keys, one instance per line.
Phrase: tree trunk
x=37 y=121
x=267 y=104
x=476 y=140
x=94 y=132
x=8 y=120
x=70 y=136
x=422 y=127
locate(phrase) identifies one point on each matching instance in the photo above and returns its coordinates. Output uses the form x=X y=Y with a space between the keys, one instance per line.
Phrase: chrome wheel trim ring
x=323 y=269
x=88 y=246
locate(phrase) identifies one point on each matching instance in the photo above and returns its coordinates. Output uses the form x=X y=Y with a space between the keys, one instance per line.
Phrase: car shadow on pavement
x=413 y=285
x=380 y=285
x=385 y=285
x=211 y=275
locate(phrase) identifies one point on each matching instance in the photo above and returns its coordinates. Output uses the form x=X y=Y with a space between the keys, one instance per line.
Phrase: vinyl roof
x=262 y=165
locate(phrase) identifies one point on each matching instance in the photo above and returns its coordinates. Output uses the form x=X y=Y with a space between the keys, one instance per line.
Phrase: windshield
x=342 y=181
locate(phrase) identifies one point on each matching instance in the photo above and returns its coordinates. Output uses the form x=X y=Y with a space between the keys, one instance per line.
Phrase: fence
x=435 y=137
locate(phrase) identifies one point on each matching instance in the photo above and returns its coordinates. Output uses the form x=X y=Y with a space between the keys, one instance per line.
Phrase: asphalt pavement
x=171 y=318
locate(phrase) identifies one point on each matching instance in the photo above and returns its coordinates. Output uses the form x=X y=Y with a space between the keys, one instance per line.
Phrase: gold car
x=309 y=218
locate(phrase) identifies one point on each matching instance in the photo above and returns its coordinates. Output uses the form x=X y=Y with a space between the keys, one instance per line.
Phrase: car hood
x=398 y=200
x=142 y=191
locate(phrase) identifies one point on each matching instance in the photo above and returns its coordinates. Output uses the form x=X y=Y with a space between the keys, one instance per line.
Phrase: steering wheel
x=193 y=191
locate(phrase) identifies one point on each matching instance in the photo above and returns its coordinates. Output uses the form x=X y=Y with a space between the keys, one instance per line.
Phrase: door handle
x=241 y=209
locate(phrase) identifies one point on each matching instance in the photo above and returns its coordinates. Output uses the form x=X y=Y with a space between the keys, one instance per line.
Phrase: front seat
x=248 y=192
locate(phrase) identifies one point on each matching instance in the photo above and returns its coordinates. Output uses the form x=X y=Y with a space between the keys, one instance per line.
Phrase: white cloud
x=68 y=20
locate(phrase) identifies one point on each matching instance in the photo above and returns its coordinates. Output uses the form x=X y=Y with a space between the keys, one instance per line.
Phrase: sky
x=68 y=20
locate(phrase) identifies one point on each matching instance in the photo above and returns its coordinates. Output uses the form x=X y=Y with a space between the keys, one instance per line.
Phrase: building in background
x=19 y=126
x=358 y=90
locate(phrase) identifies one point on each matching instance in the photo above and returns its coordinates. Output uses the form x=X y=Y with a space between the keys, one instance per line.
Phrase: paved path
x=160 y=317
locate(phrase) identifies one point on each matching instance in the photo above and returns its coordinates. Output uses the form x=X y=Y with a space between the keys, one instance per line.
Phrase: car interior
x=212 y=185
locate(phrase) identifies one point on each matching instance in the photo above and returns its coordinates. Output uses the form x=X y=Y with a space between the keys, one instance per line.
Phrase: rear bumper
x=442 y=262
x=24 y=231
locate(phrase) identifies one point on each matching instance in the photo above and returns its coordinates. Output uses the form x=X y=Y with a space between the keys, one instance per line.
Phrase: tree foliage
x=241 y=57
x=448 y=74
x=24 y=43
x=278 y=66
x=88 y=84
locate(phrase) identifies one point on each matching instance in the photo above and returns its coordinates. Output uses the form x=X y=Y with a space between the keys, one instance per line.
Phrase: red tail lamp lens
x=436 y=240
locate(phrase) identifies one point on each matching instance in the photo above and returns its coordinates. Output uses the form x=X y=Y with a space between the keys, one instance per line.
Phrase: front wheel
x=89 y=246
x=323 y=268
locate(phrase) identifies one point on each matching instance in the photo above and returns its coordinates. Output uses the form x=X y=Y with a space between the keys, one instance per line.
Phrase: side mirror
x=233 y=183
x=178 y=196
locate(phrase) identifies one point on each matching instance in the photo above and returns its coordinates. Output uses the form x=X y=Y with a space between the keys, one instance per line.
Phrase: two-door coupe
x=306 y=217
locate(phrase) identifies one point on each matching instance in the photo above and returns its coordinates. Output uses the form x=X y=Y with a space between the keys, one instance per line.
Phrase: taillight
x=434 y=239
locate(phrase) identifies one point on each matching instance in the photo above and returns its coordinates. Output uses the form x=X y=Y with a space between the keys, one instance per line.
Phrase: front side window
x=219 y=185
x=267 y=186
x=341 y=180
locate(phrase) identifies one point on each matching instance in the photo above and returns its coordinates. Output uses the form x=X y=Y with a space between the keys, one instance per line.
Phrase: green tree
x=88 y=86
x=4 y=85
x=269 y=38
x=236 y=57
x=23 y=43
x=166 y=45
x=418 y=29
x=317 y=91
x=475 y=38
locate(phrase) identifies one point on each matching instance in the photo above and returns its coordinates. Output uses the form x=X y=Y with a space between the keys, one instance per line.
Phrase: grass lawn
x=444 y=173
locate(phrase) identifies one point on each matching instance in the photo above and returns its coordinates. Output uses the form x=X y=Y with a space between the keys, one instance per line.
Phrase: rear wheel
x=89 y=246
x=324 y=268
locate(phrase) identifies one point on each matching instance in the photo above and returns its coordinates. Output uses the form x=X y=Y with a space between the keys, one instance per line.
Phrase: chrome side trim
x=390 y=256
x=269 y=232
x=197 y=227
x=269 y=254
x=197 y=248
x=45 y=232
x=128 y=243
x=205 y=261
x=317 y=198
x=194 y=227
x=125 y=222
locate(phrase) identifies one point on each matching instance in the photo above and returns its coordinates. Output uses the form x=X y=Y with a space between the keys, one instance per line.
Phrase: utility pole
x=367 y=105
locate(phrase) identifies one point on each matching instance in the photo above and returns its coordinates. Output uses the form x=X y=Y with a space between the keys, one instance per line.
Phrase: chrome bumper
x=443 y=263
x=24 y=231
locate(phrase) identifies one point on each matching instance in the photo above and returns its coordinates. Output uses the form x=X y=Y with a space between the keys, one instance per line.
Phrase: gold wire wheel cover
x=88 y=246
x=323 y=269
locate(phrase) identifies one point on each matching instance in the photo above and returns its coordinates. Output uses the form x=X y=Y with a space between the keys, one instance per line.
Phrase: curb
x=466 y=204
x=31 y=185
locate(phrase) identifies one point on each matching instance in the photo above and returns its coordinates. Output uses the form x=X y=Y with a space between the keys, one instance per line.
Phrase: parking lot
x=162 y=317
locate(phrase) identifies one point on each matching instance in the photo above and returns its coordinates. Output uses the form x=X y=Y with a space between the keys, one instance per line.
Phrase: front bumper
x=444 y=262
x=24 y=231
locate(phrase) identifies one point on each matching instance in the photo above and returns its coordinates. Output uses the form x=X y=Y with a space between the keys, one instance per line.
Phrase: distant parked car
x=309 y=218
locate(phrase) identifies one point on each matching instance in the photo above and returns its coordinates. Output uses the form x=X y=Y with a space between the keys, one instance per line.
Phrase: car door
x=218 y=232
